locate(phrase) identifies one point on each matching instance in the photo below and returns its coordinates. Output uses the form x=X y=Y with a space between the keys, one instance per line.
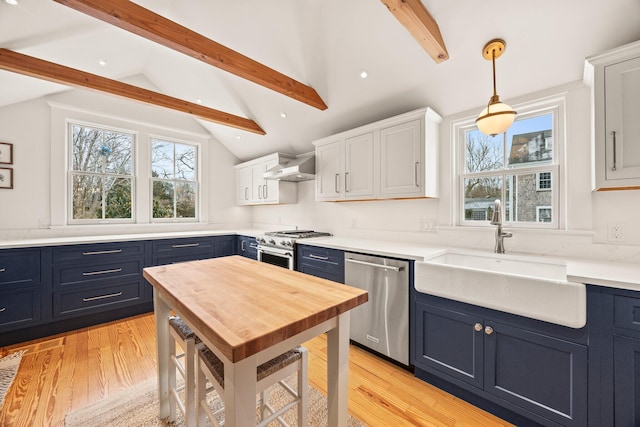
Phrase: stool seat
x=272 y=366
x=182 y=329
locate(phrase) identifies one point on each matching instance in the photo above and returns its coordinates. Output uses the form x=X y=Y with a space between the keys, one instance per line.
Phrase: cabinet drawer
x=97 y=298
x=322 y=256
x=627 y=312
x=183 y=246
x=100 y=252
x=19 y=268
x=18 y=307
x=78 y=274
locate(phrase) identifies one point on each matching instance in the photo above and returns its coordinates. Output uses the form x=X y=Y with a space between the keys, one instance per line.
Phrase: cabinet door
x=358 y=175
x=449 y=342
x=622 y=108
x=258 y=183
x=270 y=188
x=542 y=374
x=243 y=186
x=627 y=381
x=401 y=165
x=224 y=245
x=329 y=170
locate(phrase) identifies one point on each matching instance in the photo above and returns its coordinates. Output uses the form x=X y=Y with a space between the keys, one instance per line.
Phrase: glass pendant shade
x=495 y=118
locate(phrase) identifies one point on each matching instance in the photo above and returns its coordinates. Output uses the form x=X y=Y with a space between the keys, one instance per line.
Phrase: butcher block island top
x=244 y=306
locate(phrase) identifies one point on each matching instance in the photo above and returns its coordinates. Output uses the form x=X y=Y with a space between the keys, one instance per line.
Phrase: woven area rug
x=8 y=368
x=138 y=406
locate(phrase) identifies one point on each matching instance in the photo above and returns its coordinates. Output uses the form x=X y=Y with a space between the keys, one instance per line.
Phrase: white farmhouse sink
x=528 y=286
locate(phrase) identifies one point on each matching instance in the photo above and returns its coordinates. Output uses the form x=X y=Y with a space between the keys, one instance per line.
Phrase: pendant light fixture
x=497 y=116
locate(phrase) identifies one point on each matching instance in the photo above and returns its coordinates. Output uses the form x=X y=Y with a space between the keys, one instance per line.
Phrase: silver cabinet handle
x=113 y=251
x=488 y=330
x=322 y=258
x=117 y=294
x=2 y=270
x=95 y=273
x=346 y=180
x=2 y=309
x=242 y=245
x=416 y=173
x=613 y=133
x=246 y=189
x=265 y=191
x=186 y=245
x=477 y=327
x=372 y=264
x=253 y=245
x=336 y=183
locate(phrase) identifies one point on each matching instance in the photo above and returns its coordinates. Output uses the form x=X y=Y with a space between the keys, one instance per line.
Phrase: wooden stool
x=184 y=363
x=269 y=373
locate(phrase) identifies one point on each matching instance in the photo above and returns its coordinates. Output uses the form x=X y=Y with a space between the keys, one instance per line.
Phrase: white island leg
x=338 y=372
x=240 y=392
x=162 y=311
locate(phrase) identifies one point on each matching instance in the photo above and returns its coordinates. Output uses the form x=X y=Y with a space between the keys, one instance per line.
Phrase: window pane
x=162 y=199
x=86 y=150
x=87 y=197
x=185 y=162
x=117 y=198
x=186 y=200
x=116 y=152
x=162 y=159
x=479 y=196
x=523 y=195
x=530 y=141
x=483 y=152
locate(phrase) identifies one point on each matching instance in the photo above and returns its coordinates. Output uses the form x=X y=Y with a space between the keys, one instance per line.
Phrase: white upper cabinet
x=253 y=189
x=615 y=80
x=391 y=159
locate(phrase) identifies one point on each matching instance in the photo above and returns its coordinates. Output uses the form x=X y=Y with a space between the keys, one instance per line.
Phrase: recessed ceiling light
x=11 y=2
x=283 y=114
x=364 y=74
x=101 y=62
x=199 y=101
x=237 y=136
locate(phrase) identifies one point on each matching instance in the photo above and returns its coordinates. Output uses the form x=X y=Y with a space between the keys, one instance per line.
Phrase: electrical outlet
x=615 y=232
x=428 y=224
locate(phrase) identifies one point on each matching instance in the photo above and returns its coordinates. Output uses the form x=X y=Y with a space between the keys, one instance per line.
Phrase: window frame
x=197 y=182
x=538 y=180
x=71 y=172
x=556 y=105
x=539 y=208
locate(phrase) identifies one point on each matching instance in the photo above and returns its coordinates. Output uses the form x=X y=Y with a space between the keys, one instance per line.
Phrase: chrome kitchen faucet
x=496 y=220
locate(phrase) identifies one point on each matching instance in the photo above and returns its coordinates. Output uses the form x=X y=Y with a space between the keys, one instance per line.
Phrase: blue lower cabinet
x=224 y=245
x=247 y=247
x=627 y=381
x=320 y=262
x=98 y=298
x=19 y=308
x=523 y=369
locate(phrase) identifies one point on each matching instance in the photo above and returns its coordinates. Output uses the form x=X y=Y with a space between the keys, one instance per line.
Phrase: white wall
x=36 y=128
x=587 y=213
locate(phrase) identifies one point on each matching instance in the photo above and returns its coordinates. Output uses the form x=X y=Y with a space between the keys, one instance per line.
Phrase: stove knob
x=259 y=240
x=273 y=242
x=288 y=243
x=285 y=243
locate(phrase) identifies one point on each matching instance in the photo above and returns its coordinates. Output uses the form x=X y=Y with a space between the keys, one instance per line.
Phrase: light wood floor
x=66 y=372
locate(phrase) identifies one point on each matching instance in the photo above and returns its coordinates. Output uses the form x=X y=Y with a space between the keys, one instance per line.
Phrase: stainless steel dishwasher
x=381 y=324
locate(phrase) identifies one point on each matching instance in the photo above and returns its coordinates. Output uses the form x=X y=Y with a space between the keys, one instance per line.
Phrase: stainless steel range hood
x=301 y=168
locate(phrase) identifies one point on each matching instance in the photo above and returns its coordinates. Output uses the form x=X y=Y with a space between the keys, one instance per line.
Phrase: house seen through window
x=101 y=174
x=174 y=180
x=519 y=167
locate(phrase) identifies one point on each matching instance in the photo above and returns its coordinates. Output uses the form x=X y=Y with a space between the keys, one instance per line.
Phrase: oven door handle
x=276 y=251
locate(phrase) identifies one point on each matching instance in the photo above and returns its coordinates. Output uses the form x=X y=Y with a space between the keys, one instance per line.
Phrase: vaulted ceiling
x=324 y=44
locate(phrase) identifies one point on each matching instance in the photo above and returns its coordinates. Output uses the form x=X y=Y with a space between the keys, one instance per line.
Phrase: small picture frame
x=6 y=153
x=6 y=178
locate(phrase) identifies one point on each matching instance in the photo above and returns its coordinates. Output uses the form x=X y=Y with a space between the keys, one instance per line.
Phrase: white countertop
x=610 y=274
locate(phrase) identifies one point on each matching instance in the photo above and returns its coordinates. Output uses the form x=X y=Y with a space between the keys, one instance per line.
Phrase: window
x=543 y=213
x=544 y=181
x=520 y=167
x=174 y=180
x=101 y=174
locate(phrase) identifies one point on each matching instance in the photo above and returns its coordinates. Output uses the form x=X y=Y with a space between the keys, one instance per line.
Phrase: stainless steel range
x=278 y=247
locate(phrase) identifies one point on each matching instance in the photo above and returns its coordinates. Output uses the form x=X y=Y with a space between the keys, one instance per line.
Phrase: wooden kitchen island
x=248 y=312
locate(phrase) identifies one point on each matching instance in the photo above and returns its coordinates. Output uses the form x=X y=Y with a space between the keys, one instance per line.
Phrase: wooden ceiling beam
x=417 y=19
x=34 y=67
x=145 y=23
